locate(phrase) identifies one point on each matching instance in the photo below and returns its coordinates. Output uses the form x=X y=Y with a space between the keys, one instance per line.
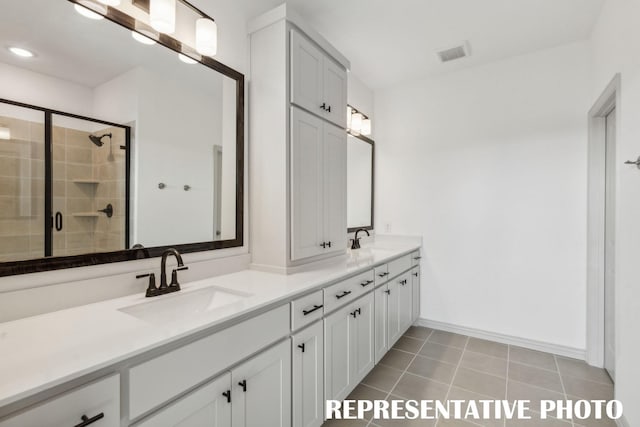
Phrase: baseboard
x=560 y=350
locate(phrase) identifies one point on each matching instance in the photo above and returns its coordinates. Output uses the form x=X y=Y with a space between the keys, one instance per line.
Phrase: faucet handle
x=174 y=276
x=152 y=290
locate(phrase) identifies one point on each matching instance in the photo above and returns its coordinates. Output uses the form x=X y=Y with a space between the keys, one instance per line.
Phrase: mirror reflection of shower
x=97 y=140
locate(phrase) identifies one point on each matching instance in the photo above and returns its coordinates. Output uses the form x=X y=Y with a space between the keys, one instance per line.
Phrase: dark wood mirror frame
x=373 y=164
x=56 y=263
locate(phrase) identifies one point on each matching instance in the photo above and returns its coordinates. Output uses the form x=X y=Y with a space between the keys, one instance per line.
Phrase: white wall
x=489 y=166
x=616 y=44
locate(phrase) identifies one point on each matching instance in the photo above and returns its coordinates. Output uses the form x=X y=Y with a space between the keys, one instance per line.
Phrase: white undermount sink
x=181 y=305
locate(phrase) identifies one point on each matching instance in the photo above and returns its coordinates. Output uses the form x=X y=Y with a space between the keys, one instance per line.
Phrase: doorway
x=601 y=306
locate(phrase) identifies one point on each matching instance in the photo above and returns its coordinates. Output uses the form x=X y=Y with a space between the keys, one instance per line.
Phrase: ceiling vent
x=453 y=53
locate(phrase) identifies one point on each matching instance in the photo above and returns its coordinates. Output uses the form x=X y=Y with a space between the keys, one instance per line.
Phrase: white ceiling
x=393 y=41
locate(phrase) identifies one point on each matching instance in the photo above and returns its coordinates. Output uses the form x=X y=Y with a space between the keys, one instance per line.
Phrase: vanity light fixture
x=357 y=123
x=18 y=51
x=162 y=15
x=142 y=38
x=88 y=13
x=110 y=2
x=366 y=127
x=206 y=37
x=186 y=59
x=5 y=133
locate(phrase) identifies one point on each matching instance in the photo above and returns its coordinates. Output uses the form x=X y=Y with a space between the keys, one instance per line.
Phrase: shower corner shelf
x=86 y=214
x=86 y=181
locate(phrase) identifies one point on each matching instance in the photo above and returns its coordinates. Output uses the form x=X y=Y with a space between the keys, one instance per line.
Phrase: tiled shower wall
x=85 y=178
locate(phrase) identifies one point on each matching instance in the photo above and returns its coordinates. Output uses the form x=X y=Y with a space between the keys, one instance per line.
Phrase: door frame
x=596 y=202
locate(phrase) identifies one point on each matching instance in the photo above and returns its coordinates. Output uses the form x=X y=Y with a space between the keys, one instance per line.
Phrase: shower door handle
x=58 y=221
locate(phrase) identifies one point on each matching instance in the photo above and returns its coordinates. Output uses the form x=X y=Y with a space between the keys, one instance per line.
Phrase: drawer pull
x=417 y=258
x=415 y=274
x=315 y=308
x=383 y=274
x=86 y=420
x=344 y=294
x=243 y=384
x=367 y=283
x=227 y=394
x=388 y=292
x=301 y=347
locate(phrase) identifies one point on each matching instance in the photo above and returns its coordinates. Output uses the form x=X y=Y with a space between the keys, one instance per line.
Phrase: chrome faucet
x=174 y=286
x=355 y=242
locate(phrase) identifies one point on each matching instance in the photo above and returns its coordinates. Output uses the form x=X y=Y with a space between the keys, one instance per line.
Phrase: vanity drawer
x=415 y=258
x=347 y=290
x=99 y=400
x=153 y=382
x=306 y=310
x=400 y=265
x=381 y=273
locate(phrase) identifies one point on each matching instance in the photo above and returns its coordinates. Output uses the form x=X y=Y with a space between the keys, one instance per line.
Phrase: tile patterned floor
x=432 y=364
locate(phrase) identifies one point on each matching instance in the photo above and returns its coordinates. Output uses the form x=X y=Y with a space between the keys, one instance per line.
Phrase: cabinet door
x=363 y=339
x=393 y=313
x=335 y=92
x=380 y=323
x=261 y=389
x=307 y=63
x=415 y=284
x=337 y=339
x=405 y=290
x=335 y=189
x=307 y=190
x=210 y=405
x=308 y=377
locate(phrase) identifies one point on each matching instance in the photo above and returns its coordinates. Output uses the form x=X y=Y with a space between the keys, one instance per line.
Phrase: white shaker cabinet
x=261 y=389
x=210 y=406
x=394 y=310
x=318 y=186
x=308 y=377
x=405 y=290
x=318 y=84
x=380 y=322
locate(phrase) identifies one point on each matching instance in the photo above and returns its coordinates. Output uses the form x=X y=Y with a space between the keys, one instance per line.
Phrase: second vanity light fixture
x=357 y=123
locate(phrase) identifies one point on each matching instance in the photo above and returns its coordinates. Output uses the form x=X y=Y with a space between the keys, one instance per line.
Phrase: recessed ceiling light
x=21 y=52
x=88 y=13
x=186 y=59
x=142 y=38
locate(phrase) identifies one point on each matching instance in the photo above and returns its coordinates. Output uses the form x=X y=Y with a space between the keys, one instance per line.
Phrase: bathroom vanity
x=246 y=349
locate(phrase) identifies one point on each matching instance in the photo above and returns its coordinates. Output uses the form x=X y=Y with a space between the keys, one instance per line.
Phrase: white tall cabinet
x=297 y=156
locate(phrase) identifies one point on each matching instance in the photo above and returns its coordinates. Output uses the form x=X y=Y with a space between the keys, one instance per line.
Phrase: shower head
x=98 y=139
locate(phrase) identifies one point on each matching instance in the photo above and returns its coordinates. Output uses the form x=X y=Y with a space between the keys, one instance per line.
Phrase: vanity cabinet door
x=393 y=313
x=380 y=323
x=415 y=284
x=307 y=68
x=405 y=289
x=210 y=405
x=307 y=190
x=335 y=189
x=335 y=92
x=363 y=358
x=261 y=389
x=308 y=377
x=337 y=354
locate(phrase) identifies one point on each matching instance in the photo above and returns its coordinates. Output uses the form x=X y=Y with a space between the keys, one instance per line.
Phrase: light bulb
x=356 y=123
x=186 y=59
x=110 y=2
x=162 y=15
x=366 y=127
x=206 y=37
x=88 y=13
x=142 y=38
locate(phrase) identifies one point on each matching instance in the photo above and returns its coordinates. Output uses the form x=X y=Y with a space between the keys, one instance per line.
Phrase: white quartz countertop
x=41 y=352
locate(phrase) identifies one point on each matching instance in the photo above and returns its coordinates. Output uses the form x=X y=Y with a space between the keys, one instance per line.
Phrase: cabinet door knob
x=243 y=384
x=87 y=421
x=403 y=282
x=227 y=394
x=388 y=292
x=415 y=274
x=354 y=314
x=301 y=347
x=324 y=106
x=329 y=109
x=324 y=245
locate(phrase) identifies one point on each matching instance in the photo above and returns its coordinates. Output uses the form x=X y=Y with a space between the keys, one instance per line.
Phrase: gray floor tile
x=402 y=423
x=441 y=352
x=345 y=423
x=536 y=421
x=535 y=376
x=417 y=388
x=483 y=363
x=448 y=338
x=521 y=391
x=431 y=368
x=481 y=383
x=532 y=357
x=382 y=377
x=397 y=359
x=364 y=392
x=456 y=423
x=580 y=369
x=489 y=348
x=460 y=394
x=410 y=345
x=418 y=332
x=585 y=389
x=593 y=422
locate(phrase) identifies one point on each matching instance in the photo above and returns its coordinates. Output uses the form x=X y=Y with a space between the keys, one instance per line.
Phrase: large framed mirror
x=112 y=148
x=360 y=182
